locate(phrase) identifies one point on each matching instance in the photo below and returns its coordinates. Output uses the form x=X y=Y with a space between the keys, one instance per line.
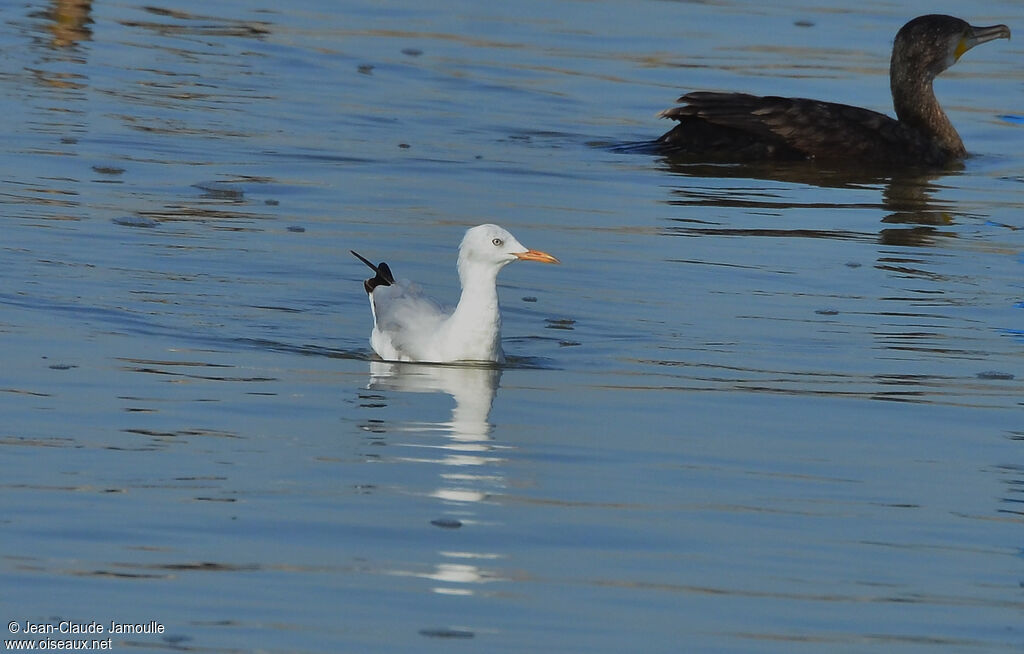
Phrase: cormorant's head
x=930 y=44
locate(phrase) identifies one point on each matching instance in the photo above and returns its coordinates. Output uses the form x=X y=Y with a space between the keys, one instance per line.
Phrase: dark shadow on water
x=511 y=362
x=128 y=322
x=266 y=345
x=174 y=22
x=908 y=196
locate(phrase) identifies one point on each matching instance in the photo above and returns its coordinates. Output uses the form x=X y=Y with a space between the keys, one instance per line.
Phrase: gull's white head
x=495 y=247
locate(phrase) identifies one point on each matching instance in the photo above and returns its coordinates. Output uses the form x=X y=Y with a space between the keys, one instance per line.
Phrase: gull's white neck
x=473 y=331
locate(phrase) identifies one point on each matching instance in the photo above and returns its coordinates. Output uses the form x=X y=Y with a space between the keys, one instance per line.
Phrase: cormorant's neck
x=916 y=106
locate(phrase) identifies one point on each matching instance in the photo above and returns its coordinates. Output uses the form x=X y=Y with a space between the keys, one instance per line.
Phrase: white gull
x=408 y=326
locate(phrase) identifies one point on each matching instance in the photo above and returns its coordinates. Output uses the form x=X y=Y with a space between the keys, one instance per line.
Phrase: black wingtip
x=364 y=260
x=382 y=274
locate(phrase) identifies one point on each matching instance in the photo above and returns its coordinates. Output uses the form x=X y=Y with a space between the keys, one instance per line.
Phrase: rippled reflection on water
x=732 y=419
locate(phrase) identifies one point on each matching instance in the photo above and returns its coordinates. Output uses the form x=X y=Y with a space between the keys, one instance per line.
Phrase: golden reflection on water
x=71 y=21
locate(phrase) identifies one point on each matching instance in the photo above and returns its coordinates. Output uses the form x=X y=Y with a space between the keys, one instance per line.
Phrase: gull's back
x=406 y=322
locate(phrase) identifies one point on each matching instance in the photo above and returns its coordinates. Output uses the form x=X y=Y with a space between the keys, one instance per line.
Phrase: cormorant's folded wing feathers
x=793 y=128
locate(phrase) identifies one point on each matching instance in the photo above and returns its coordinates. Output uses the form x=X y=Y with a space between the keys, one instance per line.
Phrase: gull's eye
x=497 y=242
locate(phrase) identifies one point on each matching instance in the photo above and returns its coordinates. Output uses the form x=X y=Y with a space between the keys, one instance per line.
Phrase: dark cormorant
x=740 y=127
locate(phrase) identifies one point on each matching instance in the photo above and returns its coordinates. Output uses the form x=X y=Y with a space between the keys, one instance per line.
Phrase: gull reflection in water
x=470 y=446
x=472 y=387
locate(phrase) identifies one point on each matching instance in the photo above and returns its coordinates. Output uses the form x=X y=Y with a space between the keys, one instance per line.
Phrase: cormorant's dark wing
x=738 y=126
